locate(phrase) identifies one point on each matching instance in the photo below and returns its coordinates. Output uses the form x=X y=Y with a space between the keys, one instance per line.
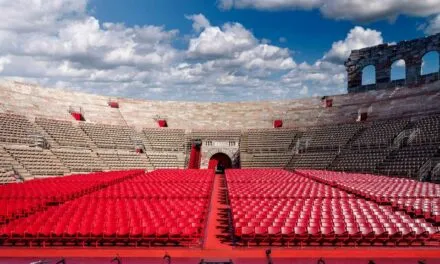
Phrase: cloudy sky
x=202 y=50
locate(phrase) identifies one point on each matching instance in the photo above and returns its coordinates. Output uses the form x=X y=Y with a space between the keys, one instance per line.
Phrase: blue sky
x=307 y=33
x=203 y=50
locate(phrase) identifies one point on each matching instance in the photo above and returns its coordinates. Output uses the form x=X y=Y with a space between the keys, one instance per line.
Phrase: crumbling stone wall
x=383 y=56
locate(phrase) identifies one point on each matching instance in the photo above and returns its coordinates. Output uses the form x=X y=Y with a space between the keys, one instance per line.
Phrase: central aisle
x=217 y=225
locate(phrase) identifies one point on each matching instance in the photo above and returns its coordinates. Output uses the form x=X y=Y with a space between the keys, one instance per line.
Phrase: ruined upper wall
x=383 y=56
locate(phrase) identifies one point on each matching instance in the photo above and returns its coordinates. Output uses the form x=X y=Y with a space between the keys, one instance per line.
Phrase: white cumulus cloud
x=59 y=43
x=357 y=38
x=356 y=10
x=200 y=22
x=433 y=26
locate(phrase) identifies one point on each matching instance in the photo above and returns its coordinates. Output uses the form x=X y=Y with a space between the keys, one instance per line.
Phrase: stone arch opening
x=430 y=63
x=369 y=75
x=398 y=70
x=220 y=158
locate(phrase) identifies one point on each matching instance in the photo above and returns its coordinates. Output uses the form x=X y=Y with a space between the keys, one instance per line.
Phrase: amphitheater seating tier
x=406 y=162
x=318 y=160
x=163 y=139
x=428 y=130
x=265 y=160
x=39 y=162
x=108 y=136
x=385 y=190
x=360 y=160
x=165 y=207
x=63 y=132
x=333 y=137
x=166 y=160
x=15 y=129
x=270 y=139
x=120 y=159
x=380 y=134
x=79 y=160
x=263 y=215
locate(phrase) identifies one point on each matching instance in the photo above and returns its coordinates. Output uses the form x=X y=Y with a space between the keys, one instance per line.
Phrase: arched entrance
x=220 y=158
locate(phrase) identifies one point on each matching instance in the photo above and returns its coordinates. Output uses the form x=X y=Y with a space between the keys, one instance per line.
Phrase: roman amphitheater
x=347 y=177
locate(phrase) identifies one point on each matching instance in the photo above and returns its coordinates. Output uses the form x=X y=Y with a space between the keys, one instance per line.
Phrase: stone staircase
x=39 y=130
x=22 y=172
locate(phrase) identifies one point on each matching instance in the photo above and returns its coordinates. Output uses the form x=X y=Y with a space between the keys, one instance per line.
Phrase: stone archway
x=220 y=158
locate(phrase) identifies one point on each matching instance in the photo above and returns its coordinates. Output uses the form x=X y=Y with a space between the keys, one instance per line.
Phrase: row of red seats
x=156 y=190
x=94 y=218
x=263 y=176
x=373 y=185
x=302 y=219
x=339 y=235
x=358 y=216
x=120 y=213
x=175 y=176
x=283 y=189
x=386 y=190
x=64 y=188
x=429 y=208
x=10 y=208
x=20 y=199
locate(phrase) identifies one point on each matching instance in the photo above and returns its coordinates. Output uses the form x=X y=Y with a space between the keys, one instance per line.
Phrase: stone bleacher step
x=20 y=169
x=52 y=142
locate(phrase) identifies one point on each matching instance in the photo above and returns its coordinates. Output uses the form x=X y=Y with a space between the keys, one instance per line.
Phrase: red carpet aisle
x=217 y=221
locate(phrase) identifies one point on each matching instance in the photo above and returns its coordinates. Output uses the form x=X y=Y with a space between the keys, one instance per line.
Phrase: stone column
x=383 y=73
x=413 y=69
x=354 y=76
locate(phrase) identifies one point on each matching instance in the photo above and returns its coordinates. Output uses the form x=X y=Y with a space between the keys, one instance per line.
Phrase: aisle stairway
x=218 y=231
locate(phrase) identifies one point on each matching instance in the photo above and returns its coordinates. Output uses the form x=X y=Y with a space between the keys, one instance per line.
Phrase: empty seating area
x=165 y=208
x=166 y=160
x=164 y=139
x=406 y=162
x=119 y=159
x=301 y=211
x=399 y=193
x=108 y=136
x=428 y=130
x=21 y=199
x=360 y=160
x=15 y=129
x=317 y=160
x=39 y=162
x=380 y=134
x=63 y=132
x=7 y=175
x=79 y=160
x=268 y=160
x=330 y=137
x=266 y=140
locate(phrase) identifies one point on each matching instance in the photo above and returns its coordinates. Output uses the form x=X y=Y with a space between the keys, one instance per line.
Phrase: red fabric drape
x=194 y=158
x=77 y=116
x=278 y=123
x=113 y=104
x=162 y=123
x=328 y=102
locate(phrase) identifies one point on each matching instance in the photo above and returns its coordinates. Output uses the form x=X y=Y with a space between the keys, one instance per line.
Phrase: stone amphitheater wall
x=35 y=101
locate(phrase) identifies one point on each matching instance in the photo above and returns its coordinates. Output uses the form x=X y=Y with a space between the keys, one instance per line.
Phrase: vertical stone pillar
x=383 y=73
x=413 y=69
x=354 y=76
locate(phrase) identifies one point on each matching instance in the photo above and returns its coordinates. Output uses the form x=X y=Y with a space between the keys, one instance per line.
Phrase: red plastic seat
x=301 y=234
